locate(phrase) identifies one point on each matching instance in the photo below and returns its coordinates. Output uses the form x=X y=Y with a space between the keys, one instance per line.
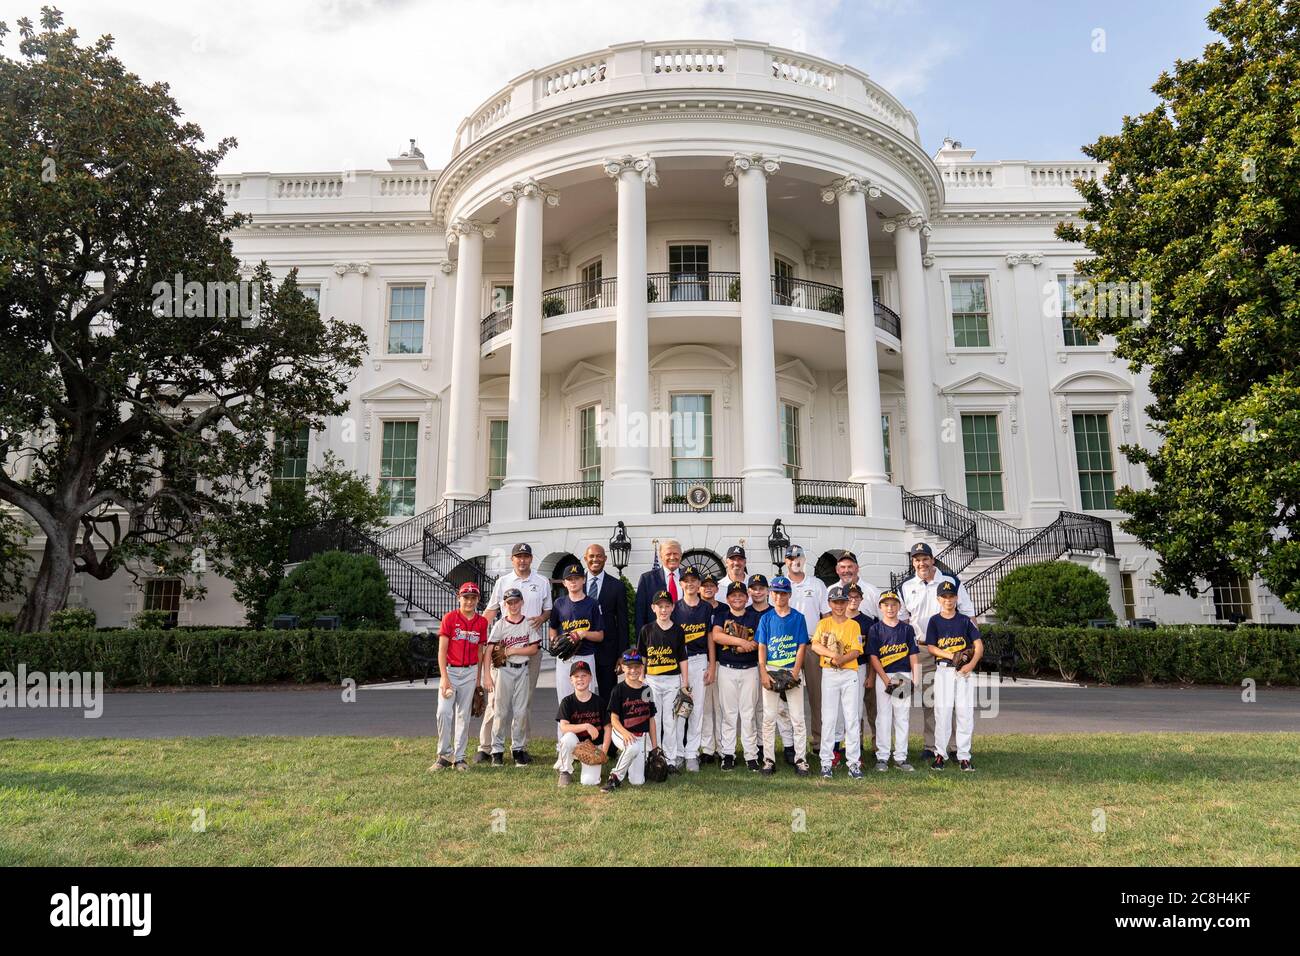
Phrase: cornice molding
x=376 y=227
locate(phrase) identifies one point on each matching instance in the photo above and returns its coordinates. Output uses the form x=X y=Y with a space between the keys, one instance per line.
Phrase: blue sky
x=311 y=85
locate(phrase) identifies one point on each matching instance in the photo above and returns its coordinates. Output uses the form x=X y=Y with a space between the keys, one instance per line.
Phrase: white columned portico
x=767 y=490
x=523 y=466
x=924 y=473
x=462 y=411
x=626 y=430
x=866 y=442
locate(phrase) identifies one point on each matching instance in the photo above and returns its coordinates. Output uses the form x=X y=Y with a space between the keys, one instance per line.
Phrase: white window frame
x=997 y=346
x=389 y=286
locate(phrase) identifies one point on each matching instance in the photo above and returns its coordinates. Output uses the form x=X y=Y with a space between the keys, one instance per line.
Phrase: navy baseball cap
x=512 y=594
x=921 y=548
x=837 y=592
x=579 y=667
x=735 y=551
x=708 y=579
x=690 y=571
x=889 y=596
x=574 y=571
x=736 y=587
x=847 y=556
x=855 y=588
x=663 y=596
x=946 y=589
x=781 y=585
x=631 y=656
x=521 y=548
x=794 y=551
x=757 y=581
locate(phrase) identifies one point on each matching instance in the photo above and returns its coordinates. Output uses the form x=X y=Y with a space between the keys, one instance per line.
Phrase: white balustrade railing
x=688 y=59
x=490 y=115
x=406 y=184
x=1055 y=175
x=803 y=73
x=968 y=176
x=309 y=187
x=573 y=75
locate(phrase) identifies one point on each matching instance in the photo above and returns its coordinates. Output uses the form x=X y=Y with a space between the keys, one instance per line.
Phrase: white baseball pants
x=631 y=759
x=564 y=686
x=892 y=714
x=511 y=693
x=954 y=692
x=453 y=713
x=564 y=762
x=711 y=718
x=664 y=688
x=738 y=692
x=697 y=664
x=841 y=703
x=793 y=708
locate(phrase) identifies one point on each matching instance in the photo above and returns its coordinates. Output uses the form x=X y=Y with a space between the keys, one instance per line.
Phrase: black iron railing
x=683 y=494
x=408 y=533
x=952 y=560
x=994 y=533
x=461 y=519
x=693 y=287
x=929 y=512
x=565 y=500
x=887 y=319
x=829 y=497
x=156 y=527
x=579 y=297
x=494 y=323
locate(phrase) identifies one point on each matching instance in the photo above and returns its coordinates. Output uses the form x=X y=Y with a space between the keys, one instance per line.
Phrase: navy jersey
x=951 y=634
x=583 y=615
x=747 y=621
x=695 y=623
x=892 y=645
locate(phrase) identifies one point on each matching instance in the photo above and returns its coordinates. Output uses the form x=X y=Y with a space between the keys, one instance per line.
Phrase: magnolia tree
x=1200 y=205
x=131 y=408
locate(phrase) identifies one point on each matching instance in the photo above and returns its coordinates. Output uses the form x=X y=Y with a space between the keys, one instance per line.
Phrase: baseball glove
x=656 y=766
x=963 y=657
x=588 y=753
x=782 y=681
x=732 y=629
x=564 y=646
x=498 y=655
x=683 y=704
x=479 y=703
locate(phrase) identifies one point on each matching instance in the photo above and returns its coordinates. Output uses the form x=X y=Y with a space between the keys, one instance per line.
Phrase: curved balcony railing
x=688 y=287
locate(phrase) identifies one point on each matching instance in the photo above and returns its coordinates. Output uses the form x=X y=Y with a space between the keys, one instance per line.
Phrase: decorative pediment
x=980 y=384
x=399 y=390
x=691 y=358
x=797 y=373
x=584 y=373
x=890 y=384
x=1092 y=381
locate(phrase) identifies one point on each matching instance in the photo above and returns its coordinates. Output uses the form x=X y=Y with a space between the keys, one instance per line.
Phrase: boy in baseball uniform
x=782 y=639
x=462 y=639
x=513 y=638
x=711 y=711
x=662 y=645
x=695 y=617
x=896 y=669
x=582 y=716
x=575 y=616
x=733 y=663
x=838 y=642
x=631 y=717
x=948 y=633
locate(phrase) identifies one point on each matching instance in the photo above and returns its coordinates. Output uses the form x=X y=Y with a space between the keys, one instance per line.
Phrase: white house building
x=699 y=288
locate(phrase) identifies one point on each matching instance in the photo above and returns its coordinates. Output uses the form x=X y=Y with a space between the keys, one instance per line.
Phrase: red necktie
x=672 y=586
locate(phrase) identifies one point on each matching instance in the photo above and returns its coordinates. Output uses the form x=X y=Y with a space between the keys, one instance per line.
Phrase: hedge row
x=212 y=658
x=1187 y=655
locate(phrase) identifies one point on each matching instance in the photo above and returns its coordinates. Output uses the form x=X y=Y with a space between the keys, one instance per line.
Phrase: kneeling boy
x=582 y=717
x=631 y=716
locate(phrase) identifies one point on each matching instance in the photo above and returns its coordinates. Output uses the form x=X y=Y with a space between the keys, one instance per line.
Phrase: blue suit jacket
x=651 y=583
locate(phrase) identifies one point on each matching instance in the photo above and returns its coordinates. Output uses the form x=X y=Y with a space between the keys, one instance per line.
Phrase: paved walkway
x=1025 y=707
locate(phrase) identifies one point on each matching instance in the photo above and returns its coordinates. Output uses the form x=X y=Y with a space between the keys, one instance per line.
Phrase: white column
x=462 y=411
x=627 y=490
x=524 y=406
x=866 y=443
x=924 y=473
x=766 y=487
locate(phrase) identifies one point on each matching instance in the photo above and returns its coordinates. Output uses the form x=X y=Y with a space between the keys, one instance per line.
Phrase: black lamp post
x=777 y=542
x=620 y=547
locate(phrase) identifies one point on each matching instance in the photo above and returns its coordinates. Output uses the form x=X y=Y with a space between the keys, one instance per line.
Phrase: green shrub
x=587 y=501
x=552 y=305
x=733 y=290
x=832 y=302
x=651 y=293
x=72 y=619
x=352 y=586
x=7 y=621
x=1053 y=594
x=152 y=620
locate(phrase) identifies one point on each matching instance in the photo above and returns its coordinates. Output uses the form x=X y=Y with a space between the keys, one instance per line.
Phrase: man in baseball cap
x=736 y=563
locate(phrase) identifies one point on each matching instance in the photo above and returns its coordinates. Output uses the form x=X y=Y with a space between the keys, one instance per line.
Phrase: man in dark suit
x=610 y=594
x=666 y=577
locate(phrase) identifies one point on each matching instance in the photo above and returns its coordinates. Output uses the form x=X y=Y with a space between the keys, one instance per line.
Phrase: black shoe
x=498 y=760
x=521 y=758
x=760 y=754
x=610 y=785
x=482 y=756
x=705 y=759
x=938 y=762
x=801 y=769
x=789 y=756
x=952 y=753
x=967 y=765
x=753 y=765
x=673 y=768
x=769 y=768
x=728 y=762
x=927 y=754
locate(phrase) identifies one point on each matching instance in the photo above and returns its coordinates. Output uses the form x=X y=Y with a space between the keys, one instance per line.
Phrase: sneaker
x=521 y=758
x=673 y=768
x=610 y=785
x=482 y=756
x=905 y=767
x=790 y=756
x=801 y=768
x=882 y=766
x=769 y=768
x=826 y=773
x=442 y=763
x=498 y=760
x=753 y=765
x=838 y=755
x=461 y=765
x=855 y=772
x=938 y=762
x=566 y=778
x=681 y=763
x=952 y=753
x=692 y=765
x=728 y=763
x=967 y=766
x=707 y=758
x=927 y=754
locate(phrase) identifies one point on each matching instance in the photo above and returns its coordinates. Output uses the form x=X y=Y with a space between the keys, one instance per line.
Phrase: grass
x=1185 y=799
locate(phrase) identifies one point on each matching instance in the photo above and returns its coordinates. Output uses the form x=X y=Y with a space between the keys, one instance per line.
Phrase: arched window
x=705 y=561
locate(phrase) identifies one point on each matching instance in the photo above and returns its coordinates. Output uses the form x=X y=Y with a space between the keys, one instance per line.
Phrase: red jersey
x=466 y=637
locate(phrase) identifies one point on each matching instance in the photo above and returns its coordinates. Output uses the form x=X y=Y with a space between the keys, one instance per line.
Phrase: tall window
x=503 y=294
x=291 y=458
x=983 y=456
x=405 y=319
x=1232 y=598
x=1096 y=464
x=970 y=312
x=692 y=427
x=1129 y=593
x=163 y=594
x=790 y=439
x=889 y=458
x=688 y=273
x=875 y=288
x=591 y=285
x=1072 y=334
x=498 y=434
x=312 y=292
x=397 y=466
x=588 y=446
x=782 y=282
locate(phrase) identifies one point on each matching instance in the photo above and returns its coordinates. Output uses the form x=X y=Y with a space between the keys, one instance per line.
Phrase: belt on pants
x=738 y=667
x=512 y=665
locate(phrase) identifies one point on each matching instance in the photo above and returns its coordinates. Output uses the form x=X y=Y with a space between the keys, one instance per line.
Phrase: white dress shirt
x=920 y=602
x=535 y=588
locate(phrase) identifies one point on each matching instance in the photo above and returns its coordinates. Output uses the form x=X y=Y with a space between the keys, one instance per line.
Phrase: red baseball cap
x=469 y=587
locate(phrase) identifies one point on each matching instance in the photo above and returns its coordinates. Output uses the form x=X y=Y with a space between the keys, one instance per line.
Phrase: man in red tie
x=666 y=577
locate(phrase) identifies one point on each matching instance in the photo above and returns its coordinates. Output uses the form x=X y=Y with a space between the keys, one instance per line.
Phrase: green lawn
x=1189 y=799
